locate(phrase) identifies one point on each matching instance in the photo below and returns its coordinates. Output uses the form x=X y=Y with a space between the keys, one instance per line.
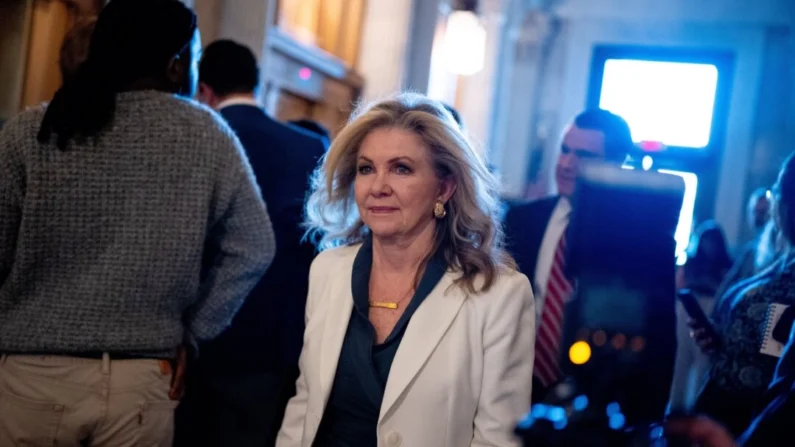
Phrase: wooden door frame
x=43 y=50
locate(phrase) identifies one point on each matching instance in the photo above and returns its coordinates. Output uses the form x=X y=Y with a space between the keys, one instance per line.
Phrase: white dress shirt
x=557 y=225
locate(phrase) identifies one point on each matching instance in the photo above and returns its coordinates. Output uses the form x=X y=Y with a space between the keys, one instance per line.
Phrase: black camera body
x=619 y=333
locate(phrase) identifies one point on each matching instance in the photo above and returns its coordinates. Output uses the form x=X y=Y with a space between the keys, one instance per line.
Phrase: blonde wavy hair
x=470 y=235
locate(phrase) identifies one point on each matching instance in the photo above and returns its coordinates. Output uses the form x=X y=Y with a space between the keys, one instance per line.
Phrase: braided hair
x=133 y=41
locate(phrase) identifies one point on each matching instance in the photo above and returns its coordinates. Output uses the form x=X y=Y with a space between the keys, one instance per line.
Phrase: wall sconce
x=464 y=45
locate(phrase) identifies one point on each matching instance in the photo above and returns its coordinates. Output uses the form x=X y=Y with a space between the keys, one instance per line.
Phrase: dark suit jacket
x=525 y=225
x=267 y=333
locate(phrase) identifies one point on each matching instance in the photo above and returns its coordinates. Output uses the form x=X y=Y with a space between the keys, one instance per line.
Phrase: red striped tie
x=550 y=330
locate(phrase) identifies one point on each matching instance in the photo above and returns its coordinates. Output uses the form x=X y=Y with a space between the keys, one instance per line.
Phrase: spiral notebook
x=771 y=346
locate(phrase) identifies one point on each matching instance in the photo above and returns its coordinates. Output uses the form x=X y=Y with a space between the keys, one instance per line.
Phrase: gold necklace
x=384 y=305
x=393 y=305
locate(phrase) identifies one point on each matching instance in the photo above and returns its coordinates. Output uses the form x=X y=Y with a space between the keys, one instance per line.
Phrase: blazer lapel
x=424 y=332
x=338 y=316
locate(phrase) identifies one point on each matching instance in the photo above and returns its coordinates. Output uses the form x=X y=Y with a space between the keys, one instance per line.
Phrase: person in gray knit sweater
x=129 y=218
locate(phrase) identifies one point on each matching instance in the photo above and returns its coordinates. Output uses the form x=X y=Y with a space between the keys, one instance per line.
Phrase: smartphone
x=694 y=310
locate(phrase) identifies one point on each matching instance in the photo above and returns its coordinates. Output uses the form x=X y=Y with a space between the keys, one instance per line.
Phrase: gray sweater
x=123 y=242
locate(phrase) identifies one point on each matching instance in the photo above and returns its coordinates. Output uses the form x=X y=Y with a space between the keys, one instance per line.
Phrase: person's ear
x=447 y=187
x=177 y=69
x=206 y=95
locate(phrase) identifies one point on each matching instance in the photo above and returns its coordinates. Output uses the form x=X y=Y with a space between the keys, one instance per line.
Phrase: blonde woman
x=419 y=330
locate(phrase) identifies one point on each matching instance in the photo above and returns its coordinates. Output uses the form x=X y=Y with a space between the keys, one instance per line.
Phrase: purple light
x=304 y=73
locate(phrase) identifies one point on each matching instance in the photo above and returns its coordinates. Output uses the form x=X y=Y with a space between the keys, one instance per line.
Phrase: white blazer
x=461 y=377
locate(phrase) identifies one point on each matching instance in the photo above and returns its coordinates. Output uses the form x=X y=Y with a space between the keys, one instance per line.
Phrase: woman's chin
x=384 y=231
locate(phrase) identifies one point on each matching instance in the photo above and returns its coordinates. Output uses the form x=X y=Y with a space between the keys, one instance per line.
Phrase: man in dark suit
x=535 y=234
x=533 y=229
x=239 y=386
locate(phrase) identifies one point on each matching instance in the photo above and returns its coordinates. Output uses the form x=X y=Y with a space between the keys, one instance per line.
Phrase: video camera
x=619 y=333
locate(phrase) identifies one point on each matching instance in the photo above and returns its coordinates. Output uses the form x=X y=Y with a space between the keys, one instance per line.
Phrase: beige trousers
x=69 y=401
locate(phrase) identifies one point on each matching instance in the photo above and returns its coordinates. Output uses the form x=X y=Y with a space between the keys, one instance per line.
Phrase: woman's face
x=396 y=185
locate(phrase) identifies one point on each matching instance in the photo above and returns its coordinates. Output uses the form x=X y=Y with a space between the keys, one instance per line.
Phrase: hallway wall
x=384 y=52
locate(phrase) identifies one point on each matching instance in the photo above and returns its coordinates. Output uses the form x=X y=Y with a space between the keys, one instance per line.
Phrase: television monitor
x=663 y=101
